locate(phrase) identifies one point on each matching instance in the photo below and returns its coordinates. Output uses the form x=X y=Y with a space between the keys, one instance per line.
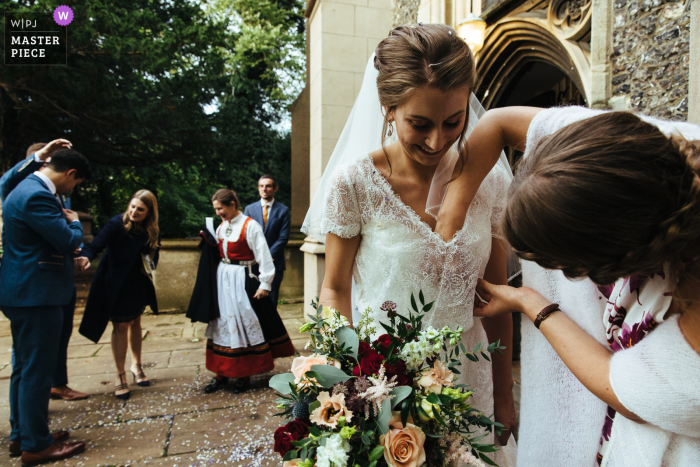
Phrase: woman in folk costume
x=245 y=332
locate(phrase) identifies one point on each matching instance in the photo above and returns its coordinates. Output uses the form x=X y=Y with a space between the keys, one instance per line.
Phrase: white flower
x=415 y=353
x=366 y=328
x=334 y=453
x=380 y=389
x=430 y=334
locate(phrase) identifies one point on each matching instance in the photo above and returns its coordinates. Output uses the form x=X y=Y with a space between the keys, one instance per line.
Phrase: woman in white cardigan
x=609 y=196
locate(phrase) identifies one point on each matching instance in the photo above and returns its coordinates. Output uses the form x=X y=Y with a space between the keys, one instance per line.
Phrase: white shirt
x=256 y=241
x=264 y=203
x=47 y=181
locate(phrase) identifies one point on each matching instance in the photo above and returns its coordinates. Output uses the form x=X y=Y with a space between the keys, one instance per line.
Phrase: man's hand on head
x=48 y=150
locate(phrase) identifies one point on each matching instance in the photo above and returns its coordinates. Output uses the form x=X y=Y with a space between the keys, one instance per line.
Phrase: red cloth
x=239 y=363
x=238 y=250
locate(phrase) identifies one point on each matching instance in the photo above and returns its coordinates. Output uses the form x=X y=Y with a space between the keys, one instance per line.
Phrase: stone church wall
x=651 y=40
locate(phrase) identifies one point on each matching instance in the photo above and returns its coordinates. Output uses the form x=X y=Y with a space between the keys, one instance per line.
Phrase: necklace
x=229 y=229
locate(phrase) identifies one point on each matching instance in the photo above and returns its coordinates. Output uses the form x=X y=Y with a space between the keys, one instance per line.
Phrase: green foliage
x=181 y=97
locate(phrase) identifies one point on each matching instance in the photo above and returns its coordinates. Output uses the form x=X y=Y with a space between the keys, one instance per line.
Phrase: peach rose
x=436 y=377
x=301 y=365
x=403 y=445
x=331 y=409
x=291 y=463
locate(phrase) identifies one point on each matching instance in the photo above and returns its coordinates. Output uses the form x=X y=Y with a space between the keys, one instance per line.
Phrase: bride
x=376 y=205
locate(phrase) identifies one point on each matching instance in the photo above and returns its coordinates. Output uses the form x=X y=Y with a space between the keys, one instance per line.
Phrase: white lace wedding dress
x=399 y=254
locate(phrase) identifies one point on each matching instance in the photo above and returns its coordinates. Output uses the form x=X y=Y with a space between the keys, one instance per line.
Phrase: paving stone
x=122 y=444
x=187 y=357
x=105 y=363
x=93 y=384
x=101 y=409
x=80 y=351
x=160 y=345
x=168 y=377
x=245 y=429
x=165 y=332
x=4 y=423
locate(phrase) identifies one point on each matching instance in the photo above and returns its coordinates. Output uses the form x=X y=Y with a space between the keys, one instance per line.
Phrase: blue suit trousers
x=60 y=378
x=35 y=341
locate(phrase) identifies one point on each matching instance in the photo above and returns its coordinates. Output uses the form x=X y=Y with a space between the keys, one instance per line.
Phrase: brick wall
x=651 y=56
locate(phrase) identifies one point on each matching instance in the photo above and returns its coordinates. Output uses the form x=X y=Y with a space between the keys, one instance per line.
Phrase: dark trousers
x=60 y=377
x=276 y=282
x=35 y=339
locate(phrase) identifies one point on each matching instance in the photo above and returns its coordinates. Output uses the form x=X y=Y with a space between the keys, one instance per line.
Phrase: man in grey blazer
x=36 y=282
x=276 y=222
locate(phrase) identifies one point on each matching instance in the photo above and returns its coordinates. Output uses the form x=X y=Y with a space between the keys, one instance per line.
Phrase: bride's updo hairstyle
x=606 y=197
x=422 y=55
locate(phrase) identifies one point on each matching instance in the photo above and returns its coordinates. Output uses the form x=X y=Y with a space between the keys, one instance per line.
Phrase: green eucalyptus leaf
x=348 y=337
x=313 y=406
x=328 y=375
x=398 y=394
x=384 y=417
x=290 y=455
x=434 y=399
x=280 y=383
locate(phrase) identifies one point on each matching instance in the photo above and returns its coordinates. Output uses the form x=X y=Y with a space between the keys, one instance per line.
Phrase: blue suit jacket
x=37 y=263
x=19 y=172
x=279 y=223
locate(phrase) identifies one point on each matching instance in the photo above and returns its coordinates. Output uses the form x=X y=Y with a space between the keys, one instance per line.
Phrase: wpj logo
x=34 y=38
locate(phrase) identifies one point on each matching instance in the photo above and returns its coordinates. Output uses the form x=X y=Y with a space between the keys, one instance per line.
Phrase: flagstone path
x=170 y=423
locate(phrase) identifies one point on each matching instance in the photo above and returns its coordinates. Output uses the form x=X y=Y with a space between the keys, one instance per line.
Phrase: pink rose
x=436 y=377
x=403 y=445
x=301 y=365
x=331 y=409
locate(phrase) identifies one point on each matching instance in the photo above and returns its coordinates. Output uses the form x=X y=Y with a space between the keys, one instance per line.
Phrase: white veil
x=363 y=134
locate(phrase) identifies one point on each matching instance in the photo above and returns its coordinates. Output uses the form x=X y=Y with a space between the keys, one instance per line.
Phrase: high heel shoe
x=140 y=377
x=122 y=388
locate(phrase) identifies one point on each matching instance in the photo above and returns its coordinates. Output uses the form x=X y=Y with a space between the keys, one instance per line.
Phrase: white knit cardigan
x=560 y=420
x=658 y=380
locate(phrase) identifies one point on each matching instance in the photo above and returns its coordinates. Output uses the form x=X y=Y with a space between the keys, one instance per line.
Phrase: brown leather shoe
x=15 y=446
x=67 y=394
x=55 y=452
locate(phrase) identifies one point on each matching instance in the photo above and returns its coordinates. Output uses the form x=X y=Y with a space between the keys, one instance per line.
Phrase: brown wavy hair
x=150 y=223
x=420 y=55
x=606 y=197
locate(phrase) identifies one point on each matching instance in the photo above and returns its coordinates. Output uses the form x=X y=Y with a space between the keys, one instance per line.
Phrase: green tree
x=180 y=97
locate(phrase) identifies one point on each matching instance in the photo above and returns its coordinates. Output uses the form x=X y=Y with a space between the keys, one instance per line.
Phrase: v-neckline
x=409 y=210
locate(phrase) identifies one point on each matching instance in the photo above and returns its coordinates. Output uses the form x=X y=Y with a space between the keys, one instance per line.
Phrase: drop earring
x=391 y=129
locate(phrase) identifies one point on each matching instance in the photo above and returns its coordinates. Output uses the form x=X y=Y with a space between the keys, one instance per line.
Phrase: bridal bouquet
x=392 y=401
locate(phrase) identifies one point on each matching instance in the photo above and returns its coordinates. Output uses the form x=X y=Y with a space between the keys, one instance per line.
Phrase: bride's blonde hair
x=420 y=55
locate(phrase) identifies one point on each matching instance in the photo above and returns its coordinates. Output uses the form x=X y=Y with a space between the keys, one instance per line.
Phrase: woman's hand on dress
x=504 y=299
x=261 y=293
x=81 y=262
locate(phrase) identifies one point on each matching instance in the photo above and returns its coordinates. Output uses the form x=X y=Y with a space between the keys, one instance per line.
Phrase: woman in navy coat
x=123 y=284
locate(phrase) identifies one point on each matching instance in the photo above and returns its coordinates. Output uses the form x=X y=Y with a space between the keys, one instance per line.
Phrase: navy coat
x=279 y=223
x=37 y=263
x=122 y=251
x=19 y=172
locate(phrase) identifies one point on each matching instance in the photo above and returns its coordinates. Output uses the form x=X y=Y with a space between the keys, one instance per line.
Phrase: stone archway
x=517 y=50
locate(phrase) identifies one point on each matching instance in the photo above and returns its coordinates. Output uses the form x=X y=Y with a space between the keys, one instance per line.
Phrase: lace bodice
x=399 y=254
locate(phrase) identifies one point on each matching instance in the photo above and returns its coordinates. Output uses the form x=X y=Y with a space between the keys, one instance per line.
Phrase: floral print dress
x=635 y=306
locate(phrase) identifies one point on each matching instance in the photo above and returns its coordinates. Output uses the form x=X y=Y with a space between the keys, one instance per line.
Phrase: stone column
x=601 y=52
x=694 y=78
x=342 y=36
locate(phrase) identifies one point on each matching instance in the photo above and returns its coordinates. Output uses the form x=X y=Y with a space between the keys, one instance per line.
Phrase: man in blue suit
x=37 y=155
x=276 y=222
x=36 y=282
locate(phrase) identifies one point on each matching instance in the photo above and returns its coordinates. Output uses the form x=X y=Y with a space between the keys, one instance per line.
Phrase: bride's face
x=430 y=121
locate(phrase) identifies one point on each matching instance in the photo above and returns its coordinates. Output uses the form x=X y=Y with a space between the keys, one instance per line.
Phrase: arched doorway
x=522 y=63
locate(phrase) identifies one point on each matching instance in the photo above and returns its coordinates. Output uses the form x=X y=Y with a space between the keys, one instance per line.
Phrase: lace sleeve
x=342 y=215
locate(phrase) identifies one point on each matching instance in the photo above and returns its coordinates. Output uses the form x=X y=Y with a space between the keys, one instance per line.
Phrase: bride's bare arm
x=336 y=290
x=501 y=327
x=497 y=129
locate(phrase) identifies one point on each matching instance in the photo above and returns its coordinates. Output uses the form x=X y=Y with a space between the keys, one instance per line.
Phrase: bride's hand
x=504 y=299
x=504 y=413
